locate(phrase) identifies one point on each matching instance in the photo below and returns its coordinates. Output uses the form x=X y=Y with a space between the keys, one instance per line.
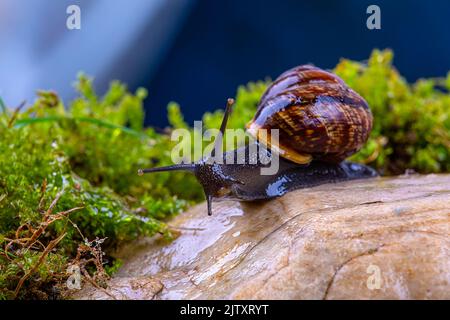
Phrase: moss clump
x=411 y=122
x=86 y=157
x=69 y=192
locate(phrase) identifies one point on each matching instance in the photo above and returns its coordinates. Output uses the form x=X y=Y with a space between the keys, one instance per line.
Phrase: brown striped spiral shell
x=317 y=114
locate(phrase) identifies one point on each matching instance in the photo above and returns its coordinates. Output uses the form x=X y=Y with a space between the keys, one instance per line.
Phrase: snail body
x=321 y=122
x=243 y=182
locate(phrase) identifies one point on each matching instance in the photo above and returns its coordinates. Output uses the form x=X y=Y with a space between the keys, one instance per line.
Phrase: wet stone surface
x=382 y=238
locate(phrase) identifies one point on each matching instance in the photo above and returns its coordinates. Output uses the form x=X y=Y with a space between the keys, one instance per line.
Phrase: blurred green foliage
x=87 y=154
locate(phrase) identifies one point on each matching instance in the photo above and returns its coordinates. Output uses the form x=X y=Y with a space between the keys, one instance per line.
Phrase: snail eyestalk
x=177 y=167
x=223 y=126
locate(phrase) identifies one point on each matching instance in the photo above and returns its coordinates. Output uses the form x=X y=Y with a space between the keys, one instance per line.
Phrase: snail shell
x=317 y=114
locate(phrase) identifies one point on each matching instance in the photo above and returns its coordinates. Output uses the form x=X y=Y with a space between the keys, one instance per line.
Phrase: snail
x=321 y=122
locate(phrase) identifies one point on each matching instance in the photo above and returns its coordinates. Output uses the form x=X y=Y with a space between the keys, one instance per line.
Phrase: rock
x=383 y=238
x=125 y=288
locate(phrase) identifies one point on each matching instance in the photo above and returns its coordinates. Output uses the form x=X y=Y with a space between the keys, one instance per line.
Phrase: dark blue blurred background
x=197 y=52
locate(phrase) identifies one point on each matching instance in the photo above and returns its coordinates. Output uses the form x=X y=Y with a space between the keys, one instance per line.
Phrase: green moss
x=86 y=153
x=89 y=152
x=411 y=121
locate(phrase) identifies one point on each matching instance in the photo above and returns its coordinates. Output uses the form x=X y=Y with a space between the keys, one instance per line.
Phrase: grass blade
x=3 y=107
